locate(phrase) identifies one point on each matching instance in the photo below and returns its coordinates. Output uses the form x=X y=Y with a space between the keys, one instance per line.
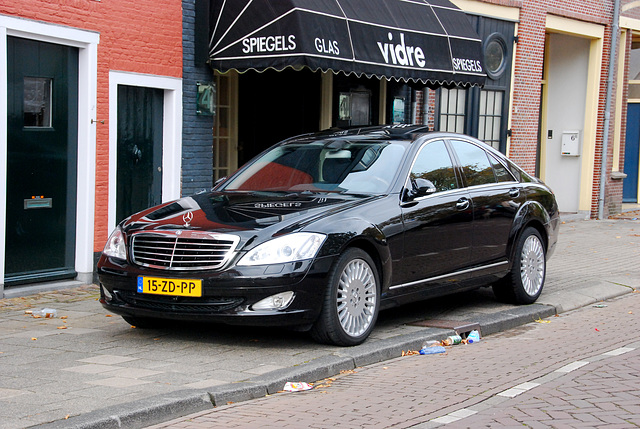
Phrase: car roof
x=402 y=132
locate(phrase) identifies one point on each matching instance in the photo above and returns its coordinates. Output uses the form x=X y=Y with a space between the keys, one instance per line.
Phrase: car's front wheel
x=351 y=302
x=523 y=284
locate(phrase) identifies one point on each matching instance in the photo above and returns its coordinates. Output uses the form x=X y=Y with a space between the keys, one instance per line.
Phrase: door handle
x=514 y=192
x=462 y=204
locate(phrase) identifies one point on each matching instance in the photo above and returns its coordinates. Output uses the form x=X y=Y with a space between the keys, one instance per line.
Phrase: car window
x=475 y=164
x=434 y=163
x=500 y=170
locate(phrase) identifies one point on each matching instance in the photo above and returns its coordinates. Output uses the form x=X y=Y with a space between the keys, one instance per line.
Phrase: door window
x=433 y=163
x=37 y=102
x=474 y=162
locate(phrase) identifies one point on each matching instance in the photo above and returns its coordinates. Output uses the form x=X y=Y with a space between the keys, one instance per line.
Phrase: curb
x=162 y=408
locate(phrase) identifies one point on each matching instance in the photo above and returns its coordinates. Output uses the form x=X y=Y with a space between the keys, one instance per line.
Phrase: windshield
x=323 y=166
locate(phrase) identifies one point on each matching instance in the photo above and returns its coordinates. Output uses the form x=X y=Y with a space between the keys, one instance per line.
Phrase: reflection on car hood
x=242 y=211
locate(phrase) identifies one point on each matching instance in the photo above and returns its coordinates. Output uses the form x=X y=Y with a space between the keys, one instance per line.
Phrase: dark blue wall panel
x=197 y=140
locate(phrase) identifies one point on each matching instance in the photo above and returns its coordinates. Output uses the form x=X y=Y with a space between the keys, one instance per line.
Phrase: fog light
x=106 y=293
x=278 y=301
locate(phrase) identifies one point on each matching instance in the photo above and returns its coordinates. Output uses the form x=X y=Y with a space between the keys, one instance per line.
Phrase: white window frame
x=171 y=130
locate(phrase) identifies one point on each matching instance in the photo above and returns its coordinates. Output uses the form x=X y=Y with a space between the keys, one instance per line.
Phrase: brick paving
x=577 y=370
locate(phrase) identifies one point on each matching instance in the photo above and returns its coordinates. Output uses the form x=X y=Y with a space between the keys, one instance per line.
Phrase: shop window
x=490 y=117
x=224 y=139
x=354 y=107
x=452 y=104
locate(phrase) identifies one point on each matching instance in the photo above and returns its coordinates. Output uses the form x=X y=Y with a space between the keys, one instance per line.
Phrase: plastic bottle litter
x=47 y=313
x=473 y=337
x=432 y=350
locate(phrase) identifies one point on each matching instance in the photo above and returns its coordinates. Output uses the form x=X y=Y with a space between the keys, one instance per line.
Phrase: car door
x=496 y=198
x=437 y=226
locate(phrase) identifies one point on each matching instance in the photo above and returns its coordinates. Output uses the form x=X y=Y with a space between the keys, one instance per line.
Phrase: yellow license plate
x=174 y=287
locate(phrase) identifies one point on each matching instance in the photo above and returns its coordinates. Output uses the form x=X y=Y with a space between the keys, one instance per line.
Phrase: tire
x=523 y=284
x=352 y=301
x=144 y=322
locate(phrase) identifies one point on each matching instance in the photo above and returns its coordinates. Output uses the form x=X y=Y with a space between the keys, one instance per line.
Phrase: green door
x=139 y=159
x=41 y=161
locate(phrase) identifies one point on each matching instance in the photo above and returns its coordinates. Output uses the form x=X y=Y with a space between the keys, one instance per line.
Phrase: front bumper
x=227 y=295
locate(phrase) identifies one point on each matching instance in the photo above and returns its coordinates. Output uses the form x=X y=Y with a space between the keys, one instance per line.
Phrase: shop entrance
x=41 y=161
x=275 y=105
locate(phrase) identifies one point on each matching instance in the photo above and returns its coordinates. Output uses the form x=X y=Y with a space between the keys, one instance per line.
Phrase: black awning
x=429 y=41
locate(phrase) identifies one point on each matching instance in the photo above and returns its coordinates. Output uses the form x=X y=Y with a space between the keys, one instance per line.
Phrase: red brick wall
x=142 y=36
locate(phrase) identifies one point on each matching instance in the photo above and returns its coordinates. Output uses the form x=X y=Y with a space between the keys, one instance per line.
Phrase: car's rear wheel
x=351 y=302
x=523 y=284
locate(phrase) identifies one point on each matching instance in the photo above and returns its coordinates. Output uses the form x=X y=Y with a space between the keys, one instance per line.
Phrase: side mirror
x=420 y=188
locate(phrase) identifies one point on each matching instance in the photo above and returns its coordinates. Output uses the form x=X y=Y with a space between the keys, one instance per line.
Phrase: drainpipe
x=607 y=112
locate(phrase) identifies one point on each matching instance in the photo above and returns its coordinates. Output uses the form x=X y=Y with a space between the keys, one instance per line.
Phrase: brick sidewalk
x=414 y=390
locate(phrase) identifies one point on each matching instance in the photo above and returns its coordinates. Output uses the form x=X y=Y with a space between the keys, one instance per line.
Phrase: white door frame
x=87 y=44
x=171 y=129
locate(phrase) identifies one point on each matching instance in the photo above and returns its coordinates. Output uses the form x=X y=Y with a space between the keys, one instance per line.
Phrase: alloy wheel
x=356 y=298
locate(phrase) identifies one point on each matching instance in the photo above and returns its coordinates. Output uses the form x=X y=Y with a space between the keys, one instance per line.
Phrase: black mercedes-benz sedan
x=322 y=231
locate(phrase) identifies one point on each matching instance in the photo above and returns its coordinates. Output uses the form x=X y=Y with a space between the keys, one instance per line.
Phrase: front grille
x=203 y=305
x=182 y=250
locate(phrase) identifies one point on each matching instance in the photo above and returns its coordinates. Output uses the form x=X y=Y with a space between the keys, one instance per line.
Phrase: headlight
x=288 y=248
x=115 y=246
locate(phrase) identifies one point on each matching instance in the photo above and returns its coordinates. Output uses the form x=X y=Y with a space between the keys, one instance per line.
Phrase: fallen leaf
x=108 y=315
x=631 y=312
x=385 y=367
x=62 y=327
x=28 y=312
x=63 y=317
x=229 y=403
x=539 y=320
x=67 y=416
x=33 y=338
